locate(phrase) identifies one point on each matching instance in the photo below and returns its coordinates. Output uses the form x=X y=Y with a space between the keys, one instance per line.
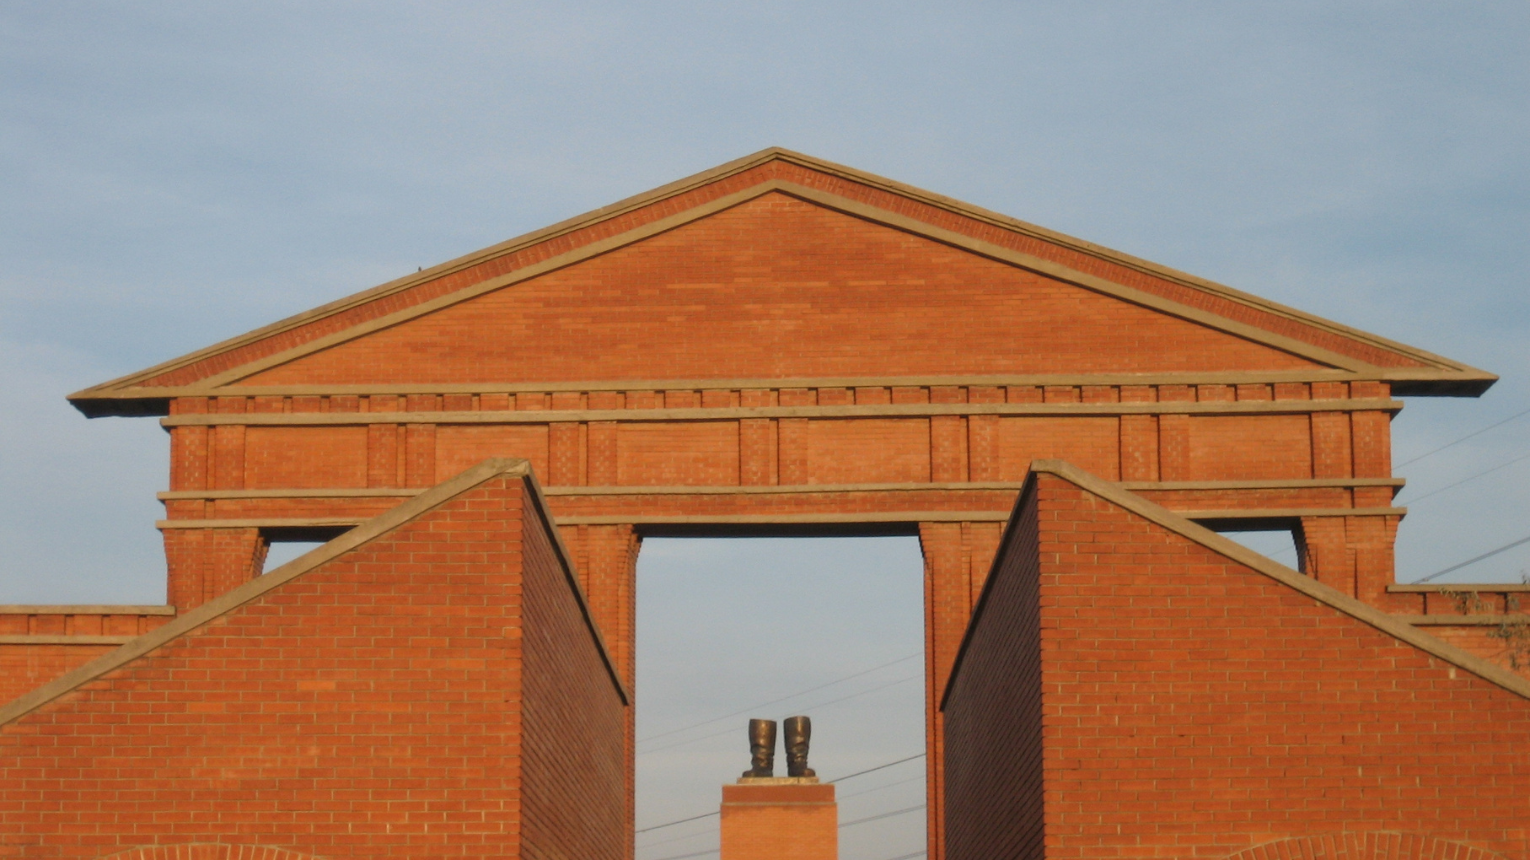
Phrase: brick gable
x=779 y=287
x=779 y=173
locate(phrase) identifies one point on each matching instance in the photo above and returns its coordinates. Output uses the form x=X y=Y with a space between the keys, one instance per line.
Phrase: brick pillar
x=1331 y=456
x=1372 y=541
x=779 y=820
x=956 y=561
x=205 y=563
x=983 y=460
x=600 y=444
x=948 y=437
x=756 y=451
x=607 y=556
x=1325 y=552
x=1139 y=447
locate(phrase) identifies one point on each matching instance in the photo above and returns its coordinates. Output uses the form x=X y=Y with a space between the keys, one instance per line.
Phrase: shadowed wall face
x=1195 y=706
x=993 y=714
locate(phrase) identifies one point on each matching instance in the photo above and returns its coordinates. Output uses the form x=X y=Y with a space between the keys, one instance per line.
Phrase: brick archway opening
x=828 y=626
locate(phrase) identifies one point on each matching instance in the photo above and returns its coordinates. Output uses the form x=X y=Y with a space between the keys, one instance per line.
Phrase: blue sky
x=176 y=173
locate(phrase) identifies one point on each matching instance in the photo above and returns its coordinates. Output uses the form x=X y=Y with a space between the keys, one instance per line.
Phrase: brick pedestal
x=779 y=819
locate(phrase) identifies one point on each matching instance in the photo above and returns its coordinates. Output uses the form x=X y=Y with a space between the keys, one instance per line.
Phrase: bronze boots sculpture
x=762 y=746
x=799 y=730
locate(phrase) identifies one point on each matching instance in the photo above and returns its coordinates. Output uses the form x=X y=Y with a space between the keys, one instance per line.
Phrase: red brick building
x=778 y=345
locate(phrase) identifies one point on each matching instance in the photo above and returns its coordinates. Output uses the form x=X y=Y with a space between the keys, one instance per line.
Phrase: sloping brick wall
x=370 y=706
x=1194 y=706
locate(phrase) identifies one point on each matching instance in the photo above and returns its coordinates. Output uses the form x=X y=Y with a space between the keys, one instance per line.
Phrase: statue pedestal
x=779 y=818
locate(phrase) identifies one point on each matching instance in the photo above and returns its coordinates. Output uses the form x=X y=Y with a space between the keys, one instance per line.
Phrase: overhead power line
x=678 y=821
x=697 y=835
x=1506 y=465
x=868 y=819
x=1489 y=554
x=895 y=782
x=694 y=854
x=1452 y=444
x=782 y=699
x=836 y=780
x=903 y=811
x=877 y=768
x=865 y=692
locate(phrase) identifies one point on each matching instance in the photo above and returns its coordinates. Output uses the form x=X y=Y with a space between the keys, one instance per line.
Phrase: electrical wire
x=1466 y=480
x=919 y=853
x=838 y=780
x=1489 y=554
x=696 y=854
x=868 y=819
x=782 y=699
x=672 y=839
x=880 y=787
x=678 y=821
x=903 y=811
x=1471 y=435
x=811 y=707
x=877 y=768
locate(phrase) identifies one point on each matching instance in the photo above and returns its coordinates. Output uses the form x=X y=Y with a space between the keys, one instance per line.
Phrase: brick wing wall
x=1197 y=707
x=993 y=715
x=574 y=775
x=368 y=707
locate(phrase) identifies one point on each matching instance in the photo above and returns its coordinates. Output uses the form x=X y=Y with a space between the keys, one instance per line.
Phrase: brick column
x=204 y=563
x=607 y=558
x=1323 y=545
x=956 y=561
x=1174 y=435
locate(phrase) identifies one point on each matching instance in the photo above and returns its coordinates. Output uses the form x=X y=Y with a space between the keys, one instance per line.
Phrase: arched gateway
x=785 y=345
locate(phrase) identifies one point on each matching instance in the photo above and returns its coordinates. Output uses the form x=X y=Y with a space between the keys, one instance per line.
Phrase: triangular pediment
x=783 y=267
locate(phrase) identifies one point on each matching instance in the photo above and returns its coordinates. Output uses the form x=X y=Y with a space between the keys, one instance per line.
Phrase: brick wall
x=1194 y=706
x=371 y=706
x=993 y=713
x=574 y=783
x=24 y=668
x=40 y=643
